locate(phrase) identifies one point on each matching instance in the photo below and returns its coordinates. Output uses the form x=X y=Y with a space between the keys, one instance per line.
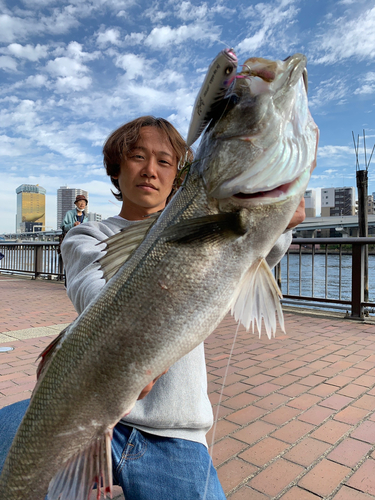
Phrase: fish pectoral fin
x=120 y=246
x=210 y=228
x=257 y=297
x=79 y=474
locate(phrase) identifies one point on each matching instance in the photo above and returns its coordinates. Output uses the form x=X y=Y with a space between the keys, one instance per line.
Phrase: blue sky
x=71 y=72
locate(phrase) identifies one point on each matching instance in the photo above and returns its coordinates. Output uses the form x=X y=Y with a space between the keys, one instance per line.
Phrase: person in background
x=76 y=216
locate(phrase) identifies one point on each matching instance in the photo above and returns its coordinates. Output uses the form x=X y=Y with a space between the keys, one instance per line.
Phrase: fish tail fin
x=80 y=473
x=257 y=299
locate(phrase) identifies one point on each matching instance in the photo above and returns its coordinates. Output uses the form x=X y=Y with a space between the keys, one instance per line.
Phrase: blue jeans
x=147 y=467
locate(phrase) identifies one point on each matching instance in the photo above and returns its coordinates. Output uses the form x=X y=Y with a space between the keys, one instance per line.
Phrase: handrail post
x=358 y=263
x=38 y=260
x=60 y=268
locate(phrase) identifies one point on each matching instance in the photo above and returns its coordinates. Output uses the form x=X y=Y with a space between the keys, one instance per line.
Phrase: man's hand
x=299 y=215
x=77 y=223
x=148 y=387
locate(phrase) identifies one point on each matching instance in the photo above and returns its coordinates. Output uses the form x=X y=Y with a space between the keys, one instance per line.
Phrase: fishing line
x=216 y=417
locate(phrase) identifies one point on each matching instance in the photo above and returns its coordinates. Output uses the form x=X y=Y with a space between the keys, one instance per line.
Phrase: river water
x=319 y=276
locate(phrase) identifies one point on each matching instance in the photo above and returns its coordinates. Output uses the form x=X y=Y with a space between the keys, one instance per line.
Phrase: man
x=159 y=450
x=76 y=216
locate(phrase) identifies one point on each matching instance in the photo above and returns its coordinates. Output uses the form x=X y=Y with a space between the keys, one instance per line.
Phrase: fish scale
x=203 y=255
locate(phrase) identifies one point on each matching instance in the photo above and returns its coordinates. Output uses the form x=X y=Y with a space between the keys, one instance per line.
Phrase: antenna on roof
x=356 y=151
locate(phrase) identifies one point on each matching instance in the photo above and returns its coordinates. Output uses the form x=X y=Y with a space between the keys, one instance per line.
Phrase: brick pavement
x=46 y=305
x=296 y=420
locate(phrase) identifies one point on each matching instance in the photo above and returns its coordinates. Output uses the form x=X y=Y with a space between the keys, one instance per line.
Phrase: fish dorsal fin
x=121 y=245
x=209 y=228
x=258 y=297
x=79 y=474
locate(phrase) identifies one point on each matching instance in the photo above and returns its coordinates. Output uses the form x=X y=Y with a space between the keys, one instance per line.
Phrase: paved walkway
x=296 y=420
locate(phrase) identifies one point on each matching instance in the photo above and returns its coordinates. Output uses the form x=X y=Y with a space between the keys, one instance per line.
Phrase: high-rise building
x=93 y=216
x=338 y=201
x=31 y=208
x=310 y=203
x=65 y=201
x=370 y=205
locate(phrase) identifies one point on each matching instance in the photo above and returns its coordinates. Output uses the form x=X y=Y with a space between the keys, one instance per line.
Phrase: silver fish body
x=203 y=256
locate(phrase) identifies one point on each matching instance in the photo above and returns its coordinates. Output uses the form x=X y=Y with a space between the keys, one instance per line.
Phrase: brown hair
x=123 y=139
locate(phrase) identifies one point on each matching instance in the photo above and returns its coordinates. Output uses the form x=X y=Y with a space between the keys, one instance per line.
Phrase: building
x=92 y=216
x=337 y=201
x=31 y=208
x=370 y=205
x=310 y=203
x=65 y=201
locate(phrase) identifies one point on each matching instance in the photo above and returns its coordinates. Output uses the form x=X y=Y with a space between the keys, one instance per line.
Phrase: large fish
x=204 y=256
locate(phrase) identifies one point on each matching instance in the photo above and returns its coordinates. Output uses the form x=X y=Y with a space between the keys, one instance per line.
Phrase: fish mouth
x=274 y=195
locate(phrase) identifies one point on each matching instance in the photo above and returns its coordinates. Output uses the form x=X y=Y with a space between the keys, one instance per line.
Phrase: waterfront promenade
x=297 y=416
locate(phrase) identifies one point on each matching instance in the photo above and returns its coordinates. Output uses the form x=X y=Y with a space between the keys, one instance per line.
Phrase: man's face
x=147 y=173
x=81 y=204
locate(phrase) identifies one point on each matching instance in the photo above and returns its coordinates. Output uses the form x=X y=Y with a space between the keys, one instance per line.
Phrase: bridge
x=345 y=224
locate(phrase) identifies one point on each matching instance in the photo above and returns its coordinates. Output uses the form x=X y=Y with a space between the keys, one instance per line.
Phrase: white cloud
x=169 y=77
x=40 y=3
x=330 y=151
x=60 y=22
x=268 y=25
x=186 y=11
x=110 y=36
x=37 y=81
x=134 y=38
x=327 y=91
x=8 y=63
x=15 y=28
x=133 y=65
x=155 y=14
x=11 y=28
x=346 y=37
x=29 y=52
x=65 y=66
x=13 y=146
x=368 y=86
x=162 y=38
x=74 y=50
x=75 y=83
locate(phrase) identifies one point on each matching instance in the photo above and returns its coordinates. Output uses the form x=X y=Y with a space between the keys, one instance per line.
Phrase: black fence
x=334 y=292
x=34 y=258
x=42 y=259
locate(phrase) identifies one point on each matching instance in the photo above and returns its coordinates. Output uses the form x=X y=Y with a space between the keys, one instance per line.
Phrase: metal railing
x=34 y=258
x=42 y=259
x=307 y=249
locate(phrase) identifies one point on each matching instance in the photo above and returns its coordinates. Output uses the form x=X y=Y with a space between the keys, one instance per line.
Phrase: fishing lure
x=220 y=75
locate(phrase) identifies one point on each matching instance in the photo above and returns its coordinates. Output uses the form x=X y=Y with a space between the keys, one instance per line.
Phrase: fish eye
x=228 y=70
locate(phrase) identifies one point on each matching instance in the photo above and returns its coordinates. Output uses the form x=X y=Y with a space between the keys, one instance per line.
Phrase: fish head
x=261 y=151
